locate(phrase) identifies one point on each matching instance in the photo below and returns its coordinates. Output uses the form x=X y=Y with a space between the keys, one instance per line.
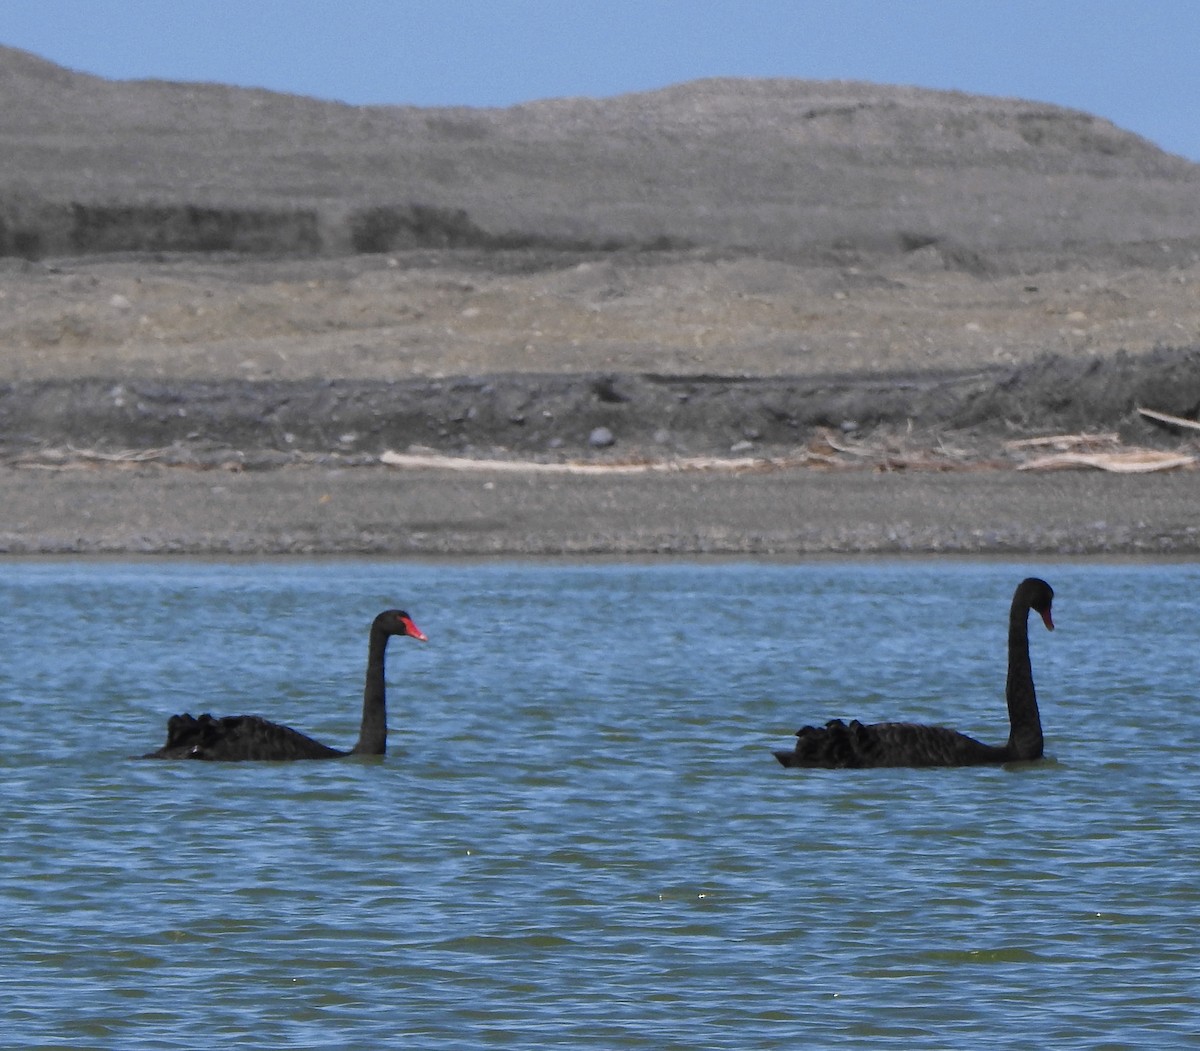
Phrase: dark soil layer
x=554 y=415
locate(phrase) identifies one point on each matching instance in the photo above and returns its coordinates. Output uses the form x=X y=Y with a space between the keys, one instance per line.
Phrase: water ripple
x=580 y=836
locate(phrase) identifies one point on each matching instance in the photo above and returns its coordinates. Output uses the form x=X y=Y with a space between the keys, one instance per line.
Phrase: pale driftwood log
x=1166 y=417
x=428 y=461
x=1064 y=441
x=71 y=456
x=877 y=459
x=828 y=439
x=1132 y=461
x=123 y=456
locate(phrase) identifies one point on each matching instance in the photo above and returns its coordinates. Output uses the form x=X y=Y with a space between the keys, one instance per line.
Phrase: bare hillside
x=779 y=166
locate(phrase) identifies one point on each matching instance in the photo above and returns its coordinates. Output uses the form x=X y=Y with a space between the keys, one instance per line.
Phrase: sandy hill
x=789 y=167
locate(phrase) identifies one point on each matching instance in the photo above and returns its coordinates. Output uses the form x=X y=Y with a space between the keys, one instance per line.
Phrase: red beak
x=416 y=632
x=1046 y=618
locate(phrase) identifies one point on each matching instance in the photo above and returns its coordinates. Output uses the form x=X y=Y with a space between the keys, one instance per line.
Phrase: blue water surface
x=580 y=837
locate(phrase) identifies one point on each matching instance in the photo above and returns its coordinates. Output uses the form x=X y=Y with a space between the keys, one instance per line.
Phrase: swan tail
x=854 y=745
x=836 y=745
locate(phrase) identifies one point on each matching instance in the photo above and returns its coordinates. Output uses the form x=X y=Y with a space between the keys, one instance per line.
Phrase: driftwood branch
x=1132 y=461
x=1064 y=441
x=427 y=461
x=1169 y=420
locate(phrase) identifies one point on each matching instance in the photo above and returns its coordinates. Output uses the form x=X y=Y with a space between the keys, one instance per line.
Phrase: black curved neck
x=1025 y=733
x=372 y=736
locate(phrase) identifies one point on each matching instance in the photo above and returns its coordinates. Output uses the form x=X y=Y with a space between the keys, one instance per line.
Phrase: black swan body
x=232 y=738
x=856 y=745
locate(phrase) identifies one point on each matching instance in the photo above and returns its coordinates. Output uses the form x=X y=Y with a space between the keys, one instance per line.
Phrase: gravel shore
x=380 y=511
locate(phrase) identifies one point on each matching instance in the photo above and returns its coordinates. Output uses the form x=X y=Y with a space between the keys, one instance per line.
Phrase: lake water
x=580 y=837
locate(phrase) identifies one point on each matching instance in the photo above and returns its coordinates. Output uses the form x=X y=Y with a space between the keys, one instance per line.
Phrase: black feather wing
x=853 y=745
x=233 y=738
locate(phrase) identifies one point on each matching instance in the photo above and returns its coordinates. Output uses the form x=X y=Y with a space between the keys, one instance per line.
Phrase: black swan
x=836 y=745
x=237 y=737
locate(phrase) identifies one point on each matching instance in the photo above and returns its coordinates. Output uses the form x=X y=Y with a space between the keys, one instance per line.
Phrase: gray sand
x=311 y=510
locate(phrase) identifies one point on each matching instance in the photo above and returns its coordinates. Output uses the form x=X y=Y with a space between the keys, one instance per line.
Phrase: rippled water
x=580 y=837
